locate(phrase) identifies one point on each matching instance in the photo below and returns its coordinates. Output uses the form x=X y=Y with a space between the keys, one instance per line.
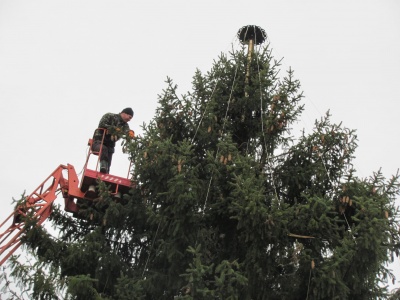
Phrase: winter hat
x=128 y=111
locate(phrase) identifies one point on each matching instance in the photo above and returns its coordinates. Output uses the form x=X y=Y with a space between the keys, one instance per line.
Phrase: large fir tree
x=227 y=204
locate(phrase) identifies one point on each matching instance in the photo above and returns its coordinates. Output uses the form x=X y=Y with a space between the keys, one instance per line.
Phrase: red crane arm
x=38 y=206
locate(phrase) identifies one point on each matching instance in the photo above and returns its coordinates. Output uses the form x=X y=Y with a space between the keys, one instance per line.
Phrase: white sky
x=64 y=63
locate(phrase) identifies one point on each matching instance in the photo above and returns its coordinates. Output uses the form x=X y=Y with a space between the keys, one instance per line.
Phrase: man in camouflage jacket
x=111 y=128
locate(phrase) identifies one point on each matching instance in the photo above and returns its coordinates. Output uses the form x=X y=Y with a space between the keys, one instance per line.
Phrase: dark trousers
x=106 y=152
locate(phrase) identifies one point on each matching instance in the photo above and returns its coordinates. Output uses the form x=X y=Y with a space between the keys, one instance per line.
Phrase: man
x=115 y=126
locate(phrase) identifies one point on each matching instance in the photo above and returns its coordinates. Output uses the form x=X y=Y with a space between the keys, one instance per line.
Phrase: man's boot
x=104 y=167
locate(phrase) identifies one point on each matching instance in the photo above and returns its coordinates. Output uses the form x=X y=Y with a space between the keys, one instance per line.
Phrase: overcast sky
x=63 y=64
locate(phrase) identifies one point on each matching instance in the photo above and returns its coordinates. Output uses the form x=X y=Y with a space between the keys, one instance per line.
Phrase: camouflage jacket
x=116 y=128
